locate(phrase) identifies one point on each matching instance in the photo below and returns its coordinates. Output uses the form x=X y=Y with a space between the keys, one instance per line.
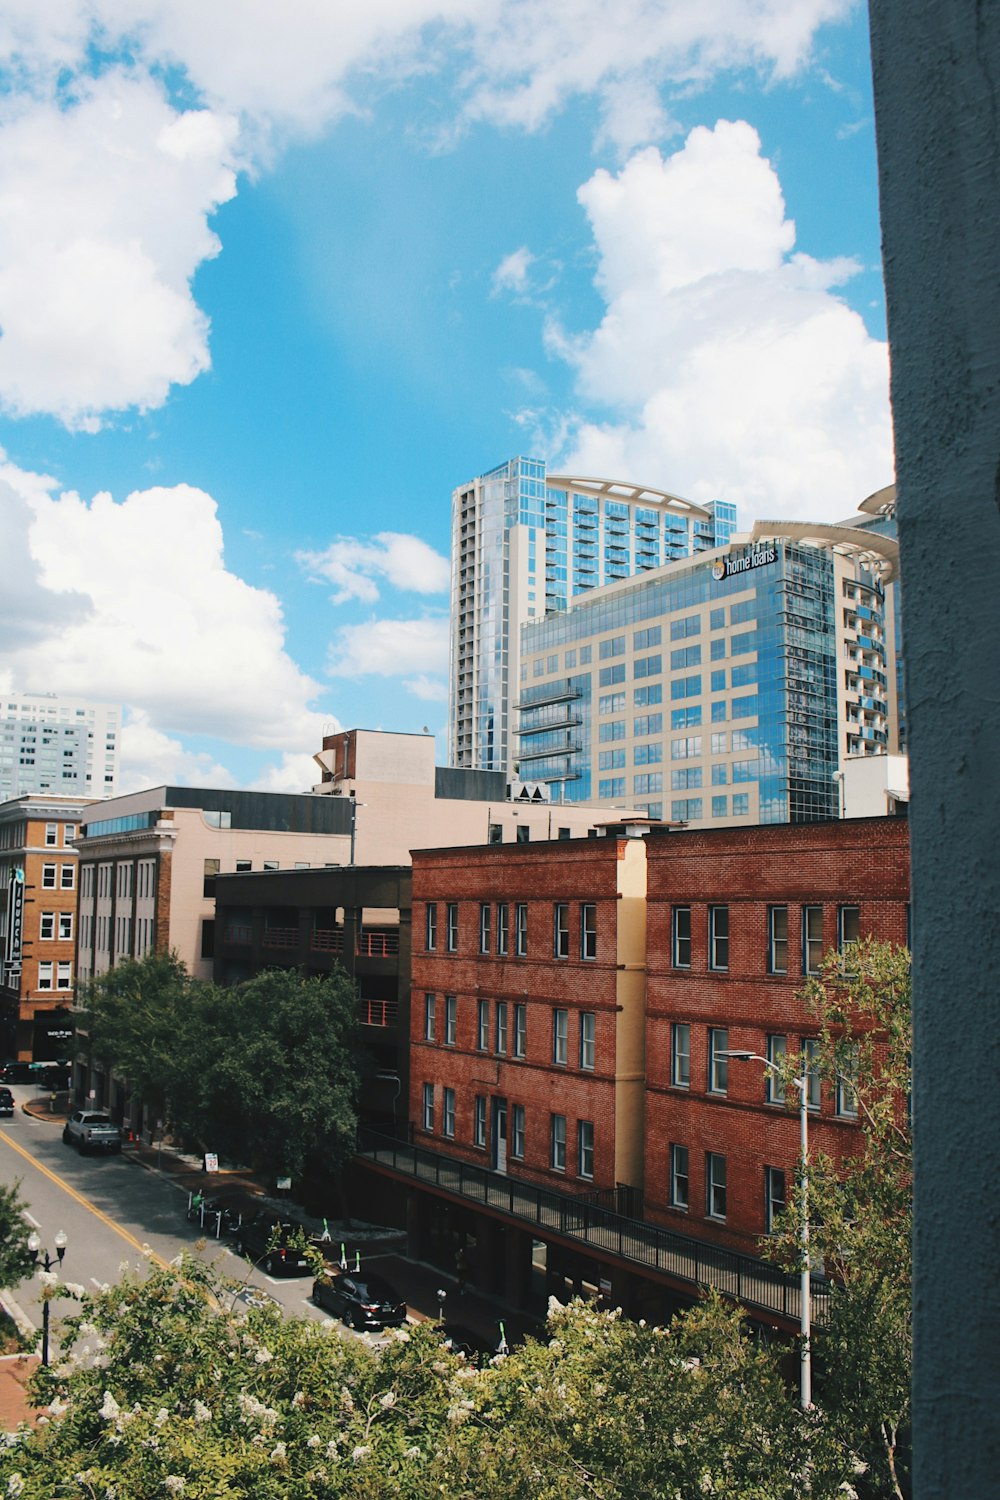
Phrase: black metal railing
x=755 y=1283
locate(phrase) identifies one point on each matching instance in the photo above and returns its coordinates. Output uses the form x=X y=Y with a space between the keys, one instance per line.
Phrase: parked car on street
x=360 y=1299
x=19 y=1072
x=6 y=1102
x=92 y=1130
x=274 y=1243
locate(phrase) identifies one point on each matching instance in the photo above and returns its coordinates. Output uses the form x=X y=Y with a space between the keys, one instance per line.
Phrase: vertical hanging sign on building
x=15 y=921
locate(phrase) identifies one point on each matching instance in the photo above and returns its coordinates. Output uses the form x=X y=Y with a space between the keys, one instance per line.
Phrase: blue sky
x=273 y=280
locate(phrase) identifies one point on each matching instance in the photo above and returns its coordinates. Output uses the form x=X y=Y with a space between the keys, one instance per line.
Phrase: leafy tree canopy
x=15 y=1262
x=265 y=1071
x=860 y=1210
x=164 y=1389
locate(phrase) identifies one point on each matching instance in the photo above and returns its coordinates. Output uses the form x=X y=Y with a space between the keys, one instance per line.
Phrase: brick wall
x=861 y=863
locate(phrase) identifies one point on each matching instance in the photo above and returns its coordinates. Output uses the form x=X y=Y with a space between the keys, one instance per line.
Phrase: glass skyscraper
x=526 y=545
x=722 y=689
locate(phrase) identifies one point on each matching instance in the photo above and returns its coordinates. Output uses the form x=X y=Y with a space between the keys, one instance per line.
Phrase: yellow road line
x=60 y=1182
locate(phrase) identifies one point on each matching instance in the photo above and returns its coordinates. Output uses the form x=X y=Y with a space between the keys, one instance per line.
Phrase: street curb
x=17 y=1315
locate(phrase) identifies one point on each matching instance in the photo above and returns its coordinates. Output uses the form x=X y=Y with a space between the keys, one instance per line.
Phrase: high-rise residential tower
x=50 y=743
x=526 y=544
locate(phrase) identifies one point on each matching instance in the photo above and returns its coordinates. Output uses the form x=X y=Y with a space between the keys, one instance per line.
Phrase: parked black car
x=363 y=1301
x=271 y=1242
x=19 y=1072
x=6 y=1102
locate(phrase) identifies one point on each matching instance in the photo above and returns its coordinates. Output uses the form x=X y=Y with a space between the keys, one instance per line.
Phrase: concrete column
x=937 y=101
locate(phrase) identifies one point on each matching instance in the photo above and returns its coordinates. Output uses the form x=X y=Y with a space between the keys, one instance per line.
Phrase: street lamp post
x=805 y=1288
x=34 y=1249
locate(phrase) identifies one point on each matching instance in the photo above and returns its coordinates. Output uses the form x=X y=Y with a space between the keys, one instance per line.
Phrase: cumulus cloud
x=104 y=210
x=151 y=758
x=106 y=187
x=511 y=275
x=167 y=628
x=355 y=566
x=390 y=648
x=731 y=365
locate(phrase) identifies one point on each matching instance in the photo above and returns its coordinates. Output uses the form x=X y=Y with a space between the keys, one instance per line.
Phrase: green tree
x=135 y=1017
x=164 y=1388
x=15 y=1261
x=275 y=1070
x=861 y=1208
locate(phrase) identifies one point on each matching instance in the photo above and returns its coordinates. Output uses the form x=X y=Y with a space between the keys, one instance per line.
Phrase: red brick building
x=572 y=1119
x=527 y=1000
x=737 y=918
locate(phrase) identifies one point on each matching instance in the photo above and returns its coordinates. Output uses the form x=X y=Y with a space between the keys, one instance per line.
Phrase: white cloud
x=430 y=689
x=104 y=219
x=151 y=758
x=293 y=773
x=390 y=648
x=734 y=369
x=511 y=275
x=167 y=630
x=354 y=566
x=106 y=189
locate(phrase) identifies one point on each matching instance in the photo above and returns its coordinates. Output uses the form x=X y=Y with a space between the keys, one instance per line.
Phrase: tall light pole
x=34 y=1247
x=805 y=1288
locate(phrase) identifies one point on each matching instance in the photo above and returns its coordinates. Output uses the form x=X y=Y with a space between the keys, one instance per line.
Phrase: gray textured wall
x=936 y=70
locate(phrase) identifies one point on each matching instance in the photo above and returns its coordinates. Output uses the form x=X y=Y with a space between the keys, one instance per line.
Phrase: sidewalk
x=417 y=1282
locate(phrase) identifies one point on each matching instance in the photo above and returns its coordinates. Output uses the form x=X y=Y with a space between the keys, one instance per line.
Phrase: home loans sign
x=743 y=562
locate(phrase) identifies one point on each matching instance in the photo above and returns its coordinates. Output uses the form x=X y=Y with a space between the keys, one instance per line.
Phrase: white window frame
x=485 y=936
x=588 y=930
x=450 y=1020
x=560 y=1037
x=64 y=974
x=588 y=1040
x=479 y=1120
x=430 y=1018
x=430 y=927
x=521 y=929
x=812 y=942
x=718 y=1064
x=718 y=938
x=520 y=1029
x=482 y=1025
x=680 y=942
x=774 y=1202
x=500 y=1029
x=47 y=975
x=448 y=1113
x=715 y=1186
x=585 y=1149
x=451 y=927
x=517 y=1131
x=560 y=929
x=774 y=1083
x=777 y=941
x=47 y=926
x=680 y=1171
x=503 y=928
x=429 y=1107
x=49 y=878
x=557 y=1143
x=680 y=1054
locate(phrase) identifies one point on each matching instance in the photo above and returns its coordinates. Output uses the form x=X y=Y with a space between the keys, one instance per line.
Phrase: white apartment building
x=62 y=746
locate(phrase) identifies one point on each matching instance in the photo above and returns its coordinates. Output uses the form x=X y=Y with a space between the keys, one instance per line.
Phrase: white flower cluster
x=175 y=1483
x=202 y=1412
x=110 y=1411
x=253 y=1410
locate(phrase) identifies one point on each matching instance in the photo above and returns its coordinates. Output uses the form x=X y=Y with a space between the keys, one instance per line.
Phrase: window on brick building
x=718 y=937
x=521 y=930
x=585 y=1148
x=777 y=940
x=501 y=1028
x=810 y=1062
x=715 y=1185
x=482 y=1025
x=774 y=1083
x=588 y=1040
x=51 y=833
x=48 y=877
x=428 y=1106
x=430 y=1018
x=451 y=928
x=431 y=928
x=681 y=937
x=479 y=1121
x=450 y=1020
x=45 y=972
x=812 y=939
x=718 y=1062
x=517 y=1130
x=64 y=977
x=679 y=1177
x=774 y=1197
x=560 y=1037
x=503 y=927
x=484 y=927
x=47 y=925
x=846 y=1090
x=520 y=1030
x=848 y=935
x=680 y=1054
x=66 y=926
x=560 y=929
x=557 y=1143
x=448 y=1113
x=588 y=930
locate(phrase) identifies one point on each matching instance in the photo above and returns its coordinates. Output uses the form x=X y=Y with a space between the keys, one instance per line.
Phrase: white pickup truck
x=92 y=1130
